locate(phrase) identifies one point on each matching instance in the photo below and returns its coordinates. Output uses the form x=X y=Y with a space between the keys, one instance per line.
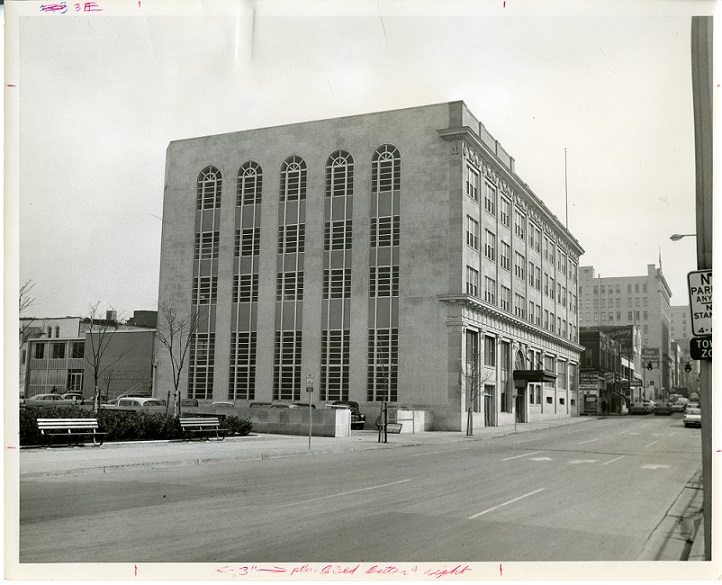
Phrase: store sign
x=700 y=301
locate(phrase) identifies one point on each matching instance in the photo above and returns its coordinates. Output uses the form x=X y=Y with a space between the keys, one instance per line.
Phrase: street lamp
x=678 y=237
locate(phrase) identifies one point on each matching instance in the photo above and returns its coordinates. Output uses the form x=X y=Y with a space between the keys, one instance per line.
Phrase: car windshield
x=693 y=411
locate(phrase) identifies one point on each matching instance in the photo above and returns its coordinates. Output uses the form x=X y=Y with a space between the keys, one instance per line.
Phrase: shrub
x=237 y=425
x=119 y=425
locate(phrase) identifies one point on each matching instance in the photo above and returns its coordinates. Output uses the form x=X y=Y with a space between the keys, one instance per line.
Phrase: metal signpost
x=309 y=391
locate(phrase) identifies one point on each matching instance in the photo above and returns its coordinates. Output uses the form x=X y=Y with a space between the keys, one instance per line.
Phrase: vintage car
x=663 y=409
x=692 y=417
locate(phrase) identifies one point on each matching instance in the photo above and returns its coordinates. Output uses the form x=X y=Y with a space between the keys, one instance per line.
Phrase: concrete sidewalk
x=60 y=460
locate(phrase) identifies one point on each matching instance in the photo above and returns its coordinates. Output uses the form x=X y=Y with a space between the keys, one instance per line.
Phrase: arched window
x=50 y=332
x=339 y=174
x=250 y=183
x=209 y=188
x=386 y=169
x=57 y=332
x=293 y=179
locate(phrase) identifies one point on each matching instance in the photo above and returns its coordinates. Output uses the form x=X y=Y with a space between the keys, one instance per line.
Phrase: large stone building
x=633 y=300
x=394 y=255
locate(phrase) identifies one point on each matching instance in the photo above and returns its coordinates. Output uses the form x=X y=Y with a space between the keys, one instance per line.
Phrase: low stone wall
x=414 y=421
x=287 y=421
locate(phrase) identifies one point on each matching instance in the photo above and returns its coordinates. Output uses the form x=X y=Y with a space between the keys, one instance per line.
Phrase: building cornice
x=476 y=304
x=466 y=133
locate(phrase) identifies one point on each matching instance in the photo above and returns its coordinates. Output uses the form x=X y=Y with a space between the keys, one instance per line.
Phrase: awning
x=534 y=376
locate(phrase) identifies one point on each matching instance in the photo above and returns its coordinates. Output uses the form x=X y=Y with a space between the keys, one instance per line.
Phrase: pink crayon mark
x=12 y=447
x=11 y=85
x=501 y=572
x=135 y=568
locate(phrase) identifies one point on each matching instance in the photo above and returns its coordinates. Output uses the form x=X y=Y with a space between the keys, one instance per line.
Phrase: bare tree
x=25 y=302
x=476 y=378
x=176 y=332
x=99 y=337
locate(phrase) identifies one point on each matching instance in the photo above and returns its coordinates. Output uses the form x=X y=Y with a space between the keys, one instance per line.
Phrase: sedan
x=692 y=417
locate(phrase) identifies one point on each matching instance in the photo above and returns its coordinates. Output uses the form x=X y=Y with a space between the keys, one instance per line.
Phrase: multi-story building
x=681 y=325
x=390 y=256
x=601 y=370
x=633 y=300
x=57 y=355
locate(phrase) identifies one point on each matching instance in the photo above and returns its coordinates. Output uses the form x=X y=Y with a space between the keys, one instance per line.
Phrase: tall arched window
x=209 y=188
x=339 y=174
x=250 y=183
x=386 y=169
x=293 y=179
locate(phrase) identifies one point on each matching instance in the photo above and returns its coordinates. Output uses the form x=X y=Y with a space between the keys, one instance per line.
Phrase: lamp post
x=678 y=237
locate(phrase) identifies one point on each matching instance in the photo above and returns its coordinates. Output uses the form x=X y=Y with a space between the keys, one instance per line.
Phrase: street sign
x=700 y=301
x=700 y=348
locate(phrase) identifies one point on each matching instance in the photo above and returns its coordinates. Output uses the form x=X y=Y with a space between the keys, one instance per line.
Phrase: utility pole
x=702 y=83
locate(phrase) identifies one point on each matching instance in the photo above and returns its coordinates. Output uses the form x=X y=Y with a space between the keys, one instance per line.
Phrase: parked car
x=644 y=407
x=358 y=419
x=222 y=404
x=261 y=404
x=304 y=405
x=144 y=402
x=663 y=409
x=677 y=406
x=692 y=417
x=47 y=400
x=189 y=402
x=283 y=405
x=75 y=397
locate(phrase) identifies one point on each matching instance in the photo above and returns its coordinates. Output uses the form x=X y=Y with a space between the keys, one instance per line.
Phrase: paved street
x=594 y=490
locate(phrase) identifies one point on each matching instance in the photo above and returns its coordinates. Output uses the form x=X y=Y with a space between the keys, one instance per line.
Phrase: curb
x=101 y=468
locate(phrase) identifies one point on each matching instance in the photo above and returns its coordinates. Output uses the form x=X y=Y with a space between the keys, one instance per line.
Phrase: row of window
x=523 y=229
x=382 y=365
x=383 y=282
x=631 y=316
x=385 y=177
x=611 y=303
x=551 y=322
x=57 y=351
x=385 y=232
x=612 y=289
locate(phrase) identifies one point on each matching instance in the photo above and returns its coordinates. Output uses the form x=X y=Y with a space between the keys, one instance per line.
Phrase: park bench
x=202 y=425
x=72 y=429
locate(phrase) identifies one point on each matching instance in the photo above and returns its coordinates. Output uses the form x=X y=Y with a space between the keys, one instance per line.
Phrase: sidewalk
x=59 y=460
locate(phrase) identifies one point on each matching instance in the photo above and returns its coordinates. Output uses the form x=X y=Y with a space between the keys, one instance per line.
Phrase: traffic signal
x=649 y=365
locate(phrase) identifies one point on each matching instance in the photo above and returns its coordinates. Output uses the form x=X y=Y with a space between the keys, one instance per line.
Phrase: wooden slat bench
x=72 y=429
x=202 y=425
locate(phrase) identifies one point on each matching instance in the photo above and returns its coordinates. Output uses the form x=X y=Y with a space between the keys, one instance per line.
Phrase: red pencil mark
x=138 y=3
x=135 y=568
x=11 y=85
x=501 y=573
x=275 y=569
x=504 y=3
x=14 y=447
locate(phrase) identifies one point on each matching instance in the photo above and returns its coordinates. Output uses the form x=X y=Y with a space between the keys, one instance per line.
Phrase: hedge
x=120 y=425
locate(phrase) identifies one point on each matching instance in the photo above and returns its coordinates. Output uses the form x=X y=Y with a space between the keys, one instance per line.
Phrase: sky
x=97 y=92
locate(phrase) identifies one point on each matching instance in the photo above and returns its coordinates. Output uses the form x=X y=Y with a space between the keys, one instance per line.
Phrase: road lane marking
x=674 y=433
x=613 y=460
x=652 y=443
x=541 y=458
x=577 y=431
x=528 y=440
x=582 y=461
x=373 y=487
x=506 y=503
x=623 y=432
x=589 y=441
x=655 y=466
x=523 y=455
x=437 y=452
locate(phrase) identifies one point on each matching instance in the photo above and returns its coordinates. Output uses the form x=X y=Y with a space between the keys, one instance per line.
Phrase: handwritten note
x=335 y=571
x=63 y=8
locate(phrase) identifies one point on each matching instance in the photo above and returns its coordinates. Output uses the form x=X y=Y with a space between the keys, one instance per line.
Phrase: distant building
x=601 y=373
x=394 y=255
x=53 y=357
x=681 y=325
x=633 y=300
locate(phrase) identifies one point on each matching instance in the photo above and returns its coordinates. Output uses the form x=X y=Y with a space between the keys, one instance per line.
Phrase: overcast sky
x=99 y=95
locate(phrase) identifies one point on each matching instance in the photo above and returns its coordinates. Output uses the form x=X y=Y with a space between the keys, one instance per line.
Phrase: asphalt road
x=590 y=492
